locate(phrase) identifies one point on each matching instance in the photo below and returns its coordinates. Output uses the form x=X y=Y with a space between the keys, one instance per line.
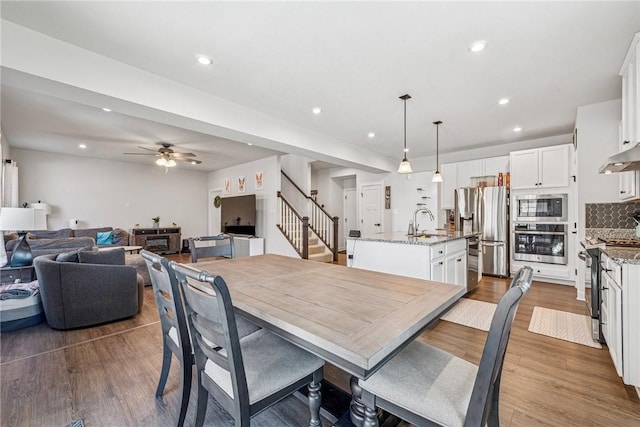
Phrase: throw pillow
x=104 y=238
x=110 y=256
x=69 y=256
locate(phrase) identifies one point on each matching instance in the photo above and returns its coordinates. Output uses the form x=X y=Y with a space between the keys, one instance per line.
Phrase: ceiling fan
x=166 y=156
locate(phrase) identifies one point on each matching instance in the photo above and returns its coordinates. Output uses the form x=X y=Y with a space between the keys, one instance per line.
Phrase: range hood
x=628 y=160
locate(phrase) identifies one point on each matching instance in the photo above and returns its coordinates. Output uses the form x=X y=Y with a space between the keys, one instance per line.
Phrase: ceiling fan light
x=436 y=177
x=161 y=162
x=170 y=163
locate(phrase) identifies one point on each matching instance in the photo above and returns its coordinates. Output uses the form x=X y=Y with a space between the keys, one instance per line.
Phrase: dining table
x=354 y=319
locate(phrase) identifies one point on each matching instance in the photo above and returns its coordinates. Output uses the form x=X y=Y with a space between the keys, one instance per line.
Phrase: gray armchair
x=76 y=294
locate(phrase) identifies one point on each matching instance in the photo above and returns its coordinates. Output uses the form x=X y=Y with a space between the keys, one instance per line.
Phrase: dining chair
x=245 y=376
x=175 y=333
x=427 y=386
x=223 y=247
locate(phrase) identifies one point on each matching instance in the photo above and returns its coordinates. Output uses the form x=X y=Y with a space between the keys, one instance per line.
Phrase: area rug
x=472 y=313
x=76 y=423
x=575 y=328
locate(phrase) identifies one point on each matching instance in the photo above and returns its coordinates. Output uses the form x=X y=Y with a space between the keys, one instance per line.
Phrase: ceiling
x=351 y=59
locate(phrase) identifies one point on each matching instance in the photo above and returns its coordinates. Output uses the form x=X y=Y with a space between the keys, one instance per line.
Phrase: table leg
x=356 y=408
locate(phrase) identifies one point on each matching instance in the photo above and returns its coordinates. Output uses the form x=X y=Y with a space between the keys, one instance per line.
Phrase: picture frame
x=227 y=186
x=259 y=180
x=241 y=184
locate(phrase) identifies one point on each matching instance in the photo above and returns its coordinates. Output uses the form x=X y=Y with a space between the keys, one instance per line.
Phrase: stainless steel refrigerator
x=486 y=210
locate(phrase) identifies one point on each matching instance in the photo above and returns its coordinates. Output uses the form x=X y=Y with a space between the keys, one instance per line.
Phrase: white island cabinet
x=620 y=310
x=439 y=257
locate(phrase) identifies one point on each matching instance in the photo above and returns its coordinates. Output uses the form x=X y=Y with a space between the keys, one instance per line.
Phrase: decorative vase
x=156 y=225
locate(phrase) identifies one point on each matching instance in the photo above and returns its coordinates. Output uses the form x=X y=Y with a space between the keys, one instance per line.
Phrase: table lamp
x=22 y=220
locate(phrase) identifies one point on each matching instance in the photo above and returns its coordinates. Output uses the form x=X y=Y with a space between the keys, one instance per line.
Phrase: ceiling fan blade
x=181 y=155
x=142 y=154
x=193 y=161
x=148 y=149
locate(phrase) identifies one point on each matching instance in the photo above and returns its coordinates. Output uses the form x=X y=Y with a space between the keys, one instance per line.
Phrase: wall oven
x=541 y=207
x=540 y=242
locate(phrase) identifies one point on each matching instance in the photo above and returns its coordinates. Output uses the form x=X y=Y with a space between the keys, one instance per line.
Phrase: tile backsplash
x=611 y=215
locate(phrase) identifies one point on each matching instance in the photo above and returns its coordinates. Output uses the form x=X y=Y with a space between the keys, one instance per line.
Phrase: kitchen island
x=439 y=255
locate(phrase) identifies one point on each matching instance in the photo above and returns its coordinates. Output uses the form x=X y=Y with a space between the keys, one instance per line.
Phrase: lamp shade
x=22 y=219
x=405 y=166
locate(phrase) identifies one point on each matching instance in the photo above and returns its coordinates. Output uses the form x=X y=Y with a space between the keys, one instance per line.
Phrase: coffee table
x=129 y=249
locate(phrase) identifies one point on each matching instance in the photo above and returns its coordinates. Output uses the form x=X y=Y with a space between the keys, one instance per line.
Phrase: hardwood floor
x=107 y=374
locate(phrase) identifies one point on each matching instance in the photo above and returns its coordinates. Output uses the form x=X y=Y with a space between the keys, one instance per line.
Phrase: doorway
x=371 y=209
x=349 y=213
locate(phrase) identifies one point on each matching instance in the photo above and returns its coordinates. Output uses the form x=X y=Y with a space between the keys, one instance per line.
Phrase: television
x=238 y=215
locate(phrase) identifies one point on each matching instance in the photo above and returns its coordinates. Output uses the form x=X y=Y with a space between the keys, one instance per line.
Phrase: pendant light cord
x=404 y=153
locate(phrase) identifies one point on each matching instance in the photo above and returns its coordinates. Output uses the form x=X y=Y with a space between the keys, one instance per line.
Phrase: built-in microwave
x=540 y=207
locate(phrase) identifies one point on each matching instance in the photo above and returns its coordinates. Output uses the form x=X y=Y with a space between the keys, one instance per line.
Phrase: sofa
x=44 y=242
x=85 y=288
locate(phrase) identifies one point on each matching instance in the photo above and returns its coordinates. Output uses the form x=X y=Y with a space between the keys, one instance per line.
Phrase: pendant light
x=436 y=175
x=405 y=166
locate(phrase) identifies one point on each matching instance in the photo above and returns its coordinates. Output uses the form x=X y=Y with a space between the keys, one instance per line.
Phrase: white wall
x=405 y=196
x=297 y=168
x=266 y=199
x=107 y=193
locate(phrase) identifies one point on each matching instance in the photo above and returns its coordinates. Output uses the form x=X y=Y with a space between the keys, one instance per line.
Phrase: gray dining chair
x=221 y=245
x=427 y=386
x=245 y=376
x=175 y=334
x=176 y=338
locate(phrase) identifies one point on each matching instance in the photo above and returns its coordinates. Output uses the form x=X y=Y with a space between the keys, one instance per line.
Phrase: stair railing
x=320 y=221
x=294 y=227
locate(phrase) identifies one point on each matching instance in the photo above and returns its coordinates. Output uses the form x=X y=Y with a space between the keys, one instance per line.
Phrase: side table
x=23 y=274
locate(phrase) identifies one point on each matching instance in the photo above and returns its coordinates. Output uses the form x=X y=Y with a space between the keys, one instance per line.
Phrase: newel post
x=335 y=239
x=305 y=237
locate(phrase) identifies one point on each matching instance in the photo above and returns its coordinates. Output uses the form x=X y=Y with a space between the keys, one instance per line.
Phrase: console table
x=23 y=274
x=158 y=240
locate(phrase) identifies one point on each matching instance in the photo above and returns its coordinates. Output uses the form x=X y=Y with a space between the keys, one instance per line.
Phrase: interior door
x=350 y=211
x=371 y=209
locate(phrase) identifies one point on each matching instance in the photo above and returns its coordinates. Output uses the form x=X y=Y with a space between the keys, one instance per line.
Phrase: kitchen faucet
x=415 y=214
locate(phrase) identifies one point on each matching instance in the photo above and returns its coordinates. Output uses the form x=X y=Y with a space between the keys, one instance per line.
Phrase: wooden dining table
x=354 y=319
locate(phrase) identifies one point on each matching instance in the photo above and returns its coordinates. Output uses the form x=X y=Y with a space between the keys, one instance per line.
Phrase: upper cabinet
x=629 y=182
x=457 y=175
x=546 y=167
x=630 y=73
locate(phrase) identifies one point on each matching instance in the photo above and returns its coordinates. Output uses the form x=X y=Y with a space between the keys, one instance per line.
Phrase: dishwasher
x=473 y=254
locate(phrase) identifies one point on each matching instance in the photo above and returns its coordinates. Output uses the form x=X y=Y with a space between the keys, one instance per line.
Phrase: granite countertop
x=623 y=255
x=426 y=237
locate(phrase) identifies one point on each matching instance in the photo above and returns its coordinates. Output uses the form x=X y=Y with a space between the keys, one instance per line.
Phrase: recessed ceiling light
x=204 y=60
x=618 y=164
x=249 y=143
x=478 y=46
x=608 y=172
x=503 y=101
x=371 y=135
x=107 y=110
x=193 y=162
x=517 y=129
x=317 y=110
x=82 y=146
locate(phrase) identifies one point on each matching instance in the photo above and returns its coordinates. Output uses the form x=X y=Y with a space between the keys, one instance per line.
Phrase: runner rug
x=575 y=328
x=472 y=313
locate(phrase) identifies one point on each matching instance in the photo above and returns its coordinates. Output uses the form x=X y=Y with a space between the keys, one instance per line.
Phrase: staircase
x=314 y=237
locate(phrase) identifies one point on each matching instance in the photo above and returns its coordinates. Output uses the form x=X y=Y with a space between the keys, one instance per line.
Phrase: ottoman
x=20 y=306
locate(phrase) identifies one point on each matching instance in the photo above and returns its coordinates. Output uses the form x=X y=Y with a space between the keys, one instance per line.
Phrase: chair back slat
x=223 y=247
x=169 y=302
x=490 y=368
x=205 y=311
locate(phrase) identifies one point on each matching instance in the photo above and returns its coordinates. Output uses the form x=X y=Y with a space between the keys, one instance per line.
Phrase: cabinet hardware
x=604 y=288
x=625 y=142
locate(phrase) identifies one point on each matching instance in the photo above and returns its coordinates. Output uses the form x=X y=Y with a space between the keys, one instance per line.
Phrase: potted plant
x=156 y=221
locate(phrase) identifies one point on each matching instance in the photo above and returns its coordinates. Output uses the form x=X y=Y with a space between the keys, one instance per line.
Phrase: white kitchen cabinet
x=457 y=175
x=546 y=167
x=629 y=182
x=620 y=311
x=611 y=312
x=455 y=266
x=449 y=172
x=467 y=170
x=437 y=270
